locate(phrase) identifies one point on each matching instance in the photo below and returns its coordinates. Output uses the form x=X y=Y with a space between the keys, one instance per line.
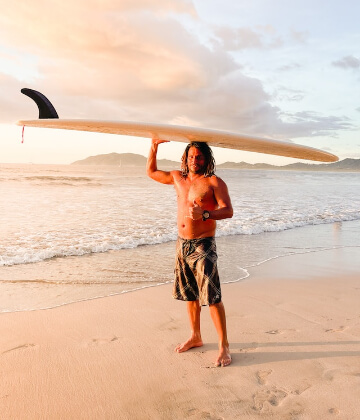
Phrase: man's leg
x=193 y=309
x=217 y=312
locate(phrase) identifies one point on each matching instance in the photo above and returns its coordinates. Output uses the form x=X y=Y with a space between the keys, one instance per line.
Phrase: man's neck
x=194 y=176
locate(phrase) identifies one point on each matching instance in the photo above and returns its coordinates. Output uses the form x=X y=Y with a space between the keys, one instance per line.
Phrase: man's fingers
x=195 y=214
x=159 y=141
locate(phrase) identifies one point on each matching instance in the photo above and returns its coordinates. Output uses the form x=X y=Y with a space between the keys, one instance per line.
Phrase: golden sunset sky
x=288 y=70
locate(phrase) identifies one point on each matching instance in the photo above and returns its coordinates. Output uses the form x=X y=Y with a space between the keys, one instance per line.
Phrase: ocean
x=71 y=233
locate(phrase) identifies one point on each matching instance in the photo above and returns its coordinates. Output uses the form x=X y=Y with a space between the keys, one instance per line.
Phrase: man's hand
x=158 y=141
x=195 y=212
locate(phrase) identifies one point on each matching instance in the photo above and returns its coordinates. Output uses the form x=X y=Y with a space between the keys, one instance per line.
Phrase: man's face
x=196 y=161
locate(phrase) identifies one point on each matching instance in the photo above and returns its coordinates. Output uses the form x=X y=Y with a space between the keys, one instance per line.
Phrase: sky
x=288 y=70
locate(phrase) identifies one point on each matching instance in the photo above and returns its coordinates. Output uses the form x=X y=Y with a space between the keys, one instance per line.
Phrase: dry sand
x=294 y=327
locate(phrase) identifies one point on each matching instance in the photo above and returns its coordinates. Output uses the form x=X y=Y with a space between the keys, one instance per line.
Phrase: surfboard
x=48 y=118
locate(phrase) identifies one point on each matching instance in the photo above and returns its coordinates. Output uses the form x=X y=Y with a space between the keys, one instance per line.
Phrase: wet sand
x=294 y=329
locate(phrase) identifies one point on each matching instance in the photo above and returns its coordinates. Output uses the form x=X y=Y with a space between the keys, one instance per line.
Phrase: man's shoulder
x=176 y=174
x=215 y=180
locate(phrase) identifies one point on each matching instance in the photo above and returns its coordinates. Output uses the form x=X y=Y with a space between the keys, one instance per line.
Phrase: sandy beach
x=295 y=340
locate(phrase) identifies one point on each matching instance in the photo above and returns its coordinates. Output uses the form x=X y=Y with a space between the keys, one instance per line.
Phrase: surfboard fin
x=46 y=108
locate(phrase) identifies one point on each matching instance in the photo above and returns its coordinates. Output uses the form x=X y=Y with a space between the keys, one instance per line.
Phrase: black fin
x=46 y=109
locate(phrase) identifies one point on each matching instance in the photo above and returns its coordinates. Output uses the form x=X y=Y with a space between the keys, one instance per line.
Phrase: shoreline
x=62 y=281
x=347 y=165
x=295 y=341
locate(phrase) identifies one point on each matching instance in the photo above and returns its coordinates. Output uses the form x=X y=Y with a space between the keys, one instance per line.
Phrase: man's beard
x=199 y=169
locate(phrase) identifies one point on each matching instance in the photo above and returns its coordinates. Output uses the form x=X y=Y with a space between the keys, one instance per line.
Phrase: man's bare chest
x=200 y=191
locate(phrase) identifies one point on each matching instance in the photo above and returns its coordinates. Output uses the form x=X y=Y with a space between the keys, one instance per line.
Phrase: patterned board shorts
x=196 y=273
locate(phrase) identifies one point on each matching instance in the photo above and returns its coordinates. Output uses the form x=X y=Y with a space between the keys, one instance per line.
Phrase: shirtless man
x=202 y=199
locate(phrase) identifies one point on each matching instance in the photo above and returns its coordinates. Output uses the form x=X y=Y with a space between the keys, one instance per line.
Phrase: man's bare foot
x=189 y=344
x=224 y=358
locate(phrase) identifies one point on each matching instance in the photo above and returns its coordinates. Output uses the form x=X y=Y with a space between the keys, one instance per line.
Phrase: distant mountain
x=346 y=165
x=132 y=159
x=121 y=159
x=244 y=165
x=342 y=165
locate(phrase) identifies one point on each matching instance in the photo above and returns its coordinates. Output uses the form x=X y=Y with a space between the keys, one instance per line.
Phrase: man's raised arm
x=151 y=166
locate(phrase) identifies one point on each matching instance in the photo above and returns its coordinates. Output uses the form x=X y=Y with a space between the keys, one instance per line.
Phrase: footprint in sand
x=334 y=410
x=272 y=396
x=23 y=346
x=340 y=329
x=262 y=376
x=301 y=388
x=280 y=331
x=273 y=332
x=252 y=347
x=296 y=412
x=169 y=325
x=196 y=414
x=330 y=374
x=100 y=341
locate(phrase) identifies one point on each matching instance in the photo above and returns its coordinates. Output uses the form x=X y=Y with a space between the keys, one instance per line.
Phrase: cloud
x=299 y=37
x=290 y=67
x=260 y=37
x=313 y=124
x=353 y=155
x=76 y=28
x=284 y=93
x=348 y=62
x=138 y=60
x=235 y=39
x=12 y=105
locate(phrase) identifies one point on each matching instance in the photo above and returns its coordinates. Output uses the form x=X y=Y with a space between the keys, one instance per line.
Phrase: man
x=202 y=199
